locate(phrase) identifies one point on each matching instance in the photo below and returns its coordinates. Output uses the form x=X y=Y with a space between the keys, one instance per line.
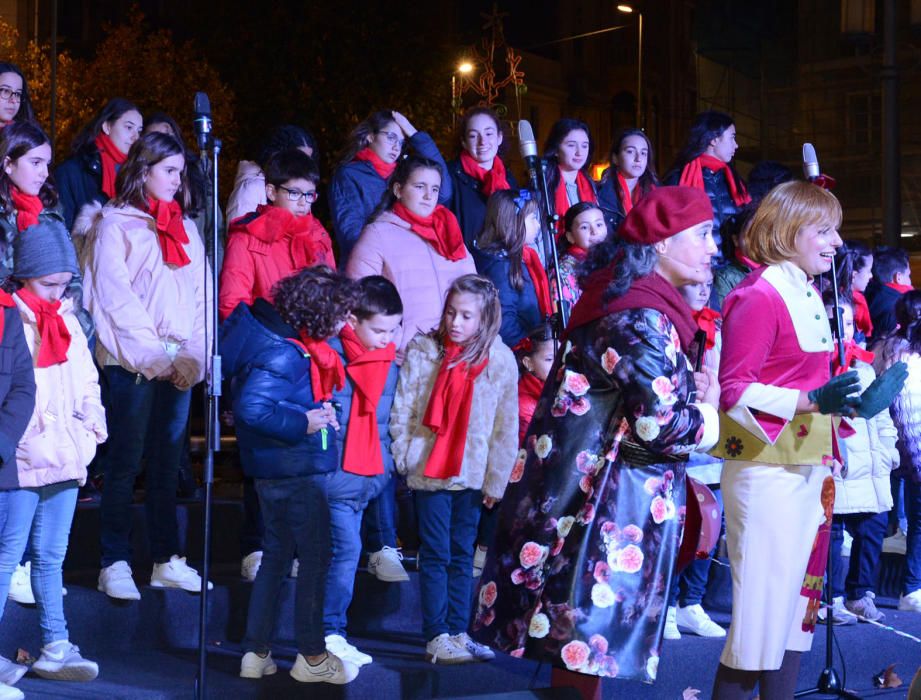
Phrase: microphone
x=528 y=147
x=202 y=120
x=810 y=163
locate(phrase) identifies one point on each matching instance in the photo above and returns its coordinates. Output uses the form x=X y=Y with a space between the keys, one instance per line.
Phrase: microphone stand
x=212 y=409
x=547 y=228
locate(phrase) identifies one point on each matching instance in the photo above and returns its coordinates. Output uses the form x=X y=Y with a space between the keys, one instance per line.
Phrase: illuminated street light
x=629 y=10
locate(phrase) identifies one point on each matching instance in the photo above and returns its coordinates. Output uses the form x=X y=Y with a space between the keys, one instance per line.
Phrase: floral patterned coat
x=586 y=544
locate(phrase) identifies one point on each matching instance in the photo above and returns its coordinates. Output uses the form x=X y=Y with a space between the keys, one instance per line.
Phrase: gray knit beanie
x=43 y=249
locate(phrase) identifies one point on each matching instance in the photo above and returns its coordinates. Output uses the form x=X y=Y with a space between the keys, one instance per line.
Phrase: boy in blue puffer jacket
x=282 y=375
x=366 y=345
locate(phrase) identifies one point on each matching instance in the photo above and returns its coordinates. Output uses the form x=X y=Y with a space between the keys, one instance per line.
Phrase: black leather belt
x=637 y=454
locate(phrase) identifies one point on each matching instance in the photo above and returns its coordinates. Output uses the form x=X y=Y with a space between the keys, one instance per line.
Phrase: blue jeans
x=447 y=530
x=140 y=409
x=252 y=529
x=380 y=518
x=345 y=534
x=862 y=573
x=42 y=518
x=913 y=546
x=296 y=514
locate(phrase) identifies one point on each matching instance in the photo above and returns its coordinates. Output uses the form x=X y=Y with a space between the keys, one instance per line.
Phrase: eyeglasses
x=392 y=138
x=11 y=95
x=295 y=195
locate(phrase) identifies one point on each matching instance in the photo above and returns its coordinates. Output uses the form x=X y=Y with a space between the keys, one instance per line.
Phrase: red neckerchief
x=529 y=385
x=368 y=370
x=54 y=338
x=900 y=288
x=531 y=261
x=171 y=232
x=492 y=180
x=111 y=157
x=852 y=352
x=561 y=201
x=440 y=230
x=627 y=199
x=706 y=320
x=744 y=260
x=577 y=252
x=326 y=370
x=862 y=318
x=28 y=207
x=383 y=169
x=650 y=292
x=309 y=242
x=448 y=413
x=692 y=176
x=6 y=302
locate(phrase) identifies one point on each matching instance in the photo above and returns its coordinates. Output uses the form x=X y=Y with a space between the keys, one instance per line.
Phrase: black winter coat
x=520 y=310
x=468 y=203
x=79 y=181
x=724 y=207
x=17 y=394
x=610 y=204
x=881 y=300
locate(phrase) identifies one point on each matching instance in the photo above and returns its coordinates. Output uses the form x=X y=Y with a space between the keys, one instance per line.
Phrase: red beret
x=664 y=212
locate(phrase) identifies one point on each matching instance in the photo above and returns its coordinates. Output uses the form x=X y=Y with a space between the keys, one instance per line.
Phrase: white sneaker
x=480 y=652
x=331 y=670
x=295 y=567
x=896 y=544
x=9 y=693
x=255 y=666
x=479 y=561
x=21 y=584
x=62 y=661
x=386 y=565
x=697 y=621
x=177 y=574
x=337 y=644
x=444 y=650
x=10 y=672
x=249 y=567
x=116 y=582
x=911 y=602
x=671 y=625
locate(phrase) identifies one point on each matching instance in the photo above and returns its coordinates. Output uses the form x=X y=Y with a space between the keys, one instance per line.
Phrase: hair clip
x=523 y=197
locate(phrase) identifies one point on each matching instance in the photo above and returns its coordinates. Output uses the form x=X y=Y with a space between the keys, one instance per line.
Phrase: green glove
x=880 y=394
x=839 y=395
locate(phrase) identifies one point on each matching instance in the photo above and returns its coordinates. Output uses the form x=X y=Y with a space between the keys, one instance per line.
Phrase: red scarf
x=531 y=261
x=171 y=232
x=448 y=413
x=900 y=288
x=384 y=170
x=577 y=252
x=6 y=302
x=650 y=292
x=852 y=353
x=368 y=370
x=309 y=243
x=706 y=320
x=54 y=336
x=490 y=181
x=111 y=157
x=692 y=176
x=440 y=230
x=862 y=318
x=561 y=201
x=748 y=262
x=326 y=370
x=627 y=200
x=28 y=207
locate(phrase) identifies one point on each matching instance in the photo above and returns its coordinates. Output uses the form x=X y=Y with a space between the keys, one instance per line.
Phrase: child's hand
x=333 y=419
x=320 y=418
x=708 y=387
x=490 y=502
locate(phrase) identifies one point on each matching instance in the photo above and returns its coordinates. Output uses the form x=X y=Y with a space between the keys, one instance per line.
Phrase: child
x=60 y=441
x=277 y=239
x=891 y=279
x=862 y=493
x=503 y=253
x=366 y=345
x=584 y=227
x=282 y=375
x=145 y=277
x=453 y=425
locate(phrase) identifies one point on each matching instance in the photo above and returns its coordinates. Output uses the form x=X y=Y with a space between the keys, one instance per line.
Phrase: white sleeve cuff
x=711 y=426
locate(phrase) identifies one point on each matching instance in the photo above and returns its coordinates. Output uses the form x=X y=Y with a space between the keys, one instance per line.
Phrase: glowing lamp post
x=464 y=68
x=629 y=10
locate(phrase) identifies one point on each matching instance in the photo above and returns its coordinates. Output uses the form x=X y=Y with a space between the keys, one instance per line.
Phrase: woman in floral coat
x=588 y=533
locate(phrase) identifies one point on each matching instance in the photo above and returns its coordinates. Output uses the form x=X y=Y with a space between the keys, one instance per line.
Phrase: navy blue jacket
x=270 y=386
x=468 y=203
x=354 y=489
x=356 y=190
x=724 y=207
x=17 y=394
x=79 y=181
x=610 y=203
x=881 y=300
x=520 y=310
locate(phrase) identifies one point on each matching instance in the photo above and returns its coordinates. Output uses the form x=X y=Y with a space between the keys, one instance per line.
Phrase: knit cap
x=43 y=249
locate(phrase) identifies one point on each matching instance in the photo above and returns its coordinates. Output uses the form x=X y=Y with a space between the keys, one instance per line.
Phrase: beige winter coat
x=68 y=421
x=492 y=435
x=144 y=308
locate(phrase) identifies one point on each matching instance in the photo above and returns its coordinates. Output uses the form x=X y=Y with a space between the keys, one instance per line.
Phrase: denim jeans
x=447 y=530
x=158 y=411
x=913 y=546
x=295 y=513
x=42 y=518
x=862 y=572
x=345 y=535
x=253 y=527
x=380 y=519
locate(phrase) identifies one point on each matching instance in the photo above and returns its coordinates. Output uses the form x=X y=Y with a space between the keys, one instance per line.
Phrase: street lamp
x=464 y=68
x=629 y=10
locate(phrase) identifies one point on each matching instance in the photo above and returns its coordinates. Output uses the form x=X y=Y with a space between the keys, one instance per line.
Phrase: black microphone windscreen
x=202 y=103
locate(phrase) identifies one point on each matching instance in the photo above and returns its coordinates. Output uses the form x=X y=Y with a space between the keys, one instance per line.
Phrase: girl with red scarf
x=97 y=153
x=58 y=444
x=584 y=227
x=454 y=427
x=277 y=239
x=478 y=171
x=631 y=175
x=505 y=255
x=568 y=151
x=145 y=279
